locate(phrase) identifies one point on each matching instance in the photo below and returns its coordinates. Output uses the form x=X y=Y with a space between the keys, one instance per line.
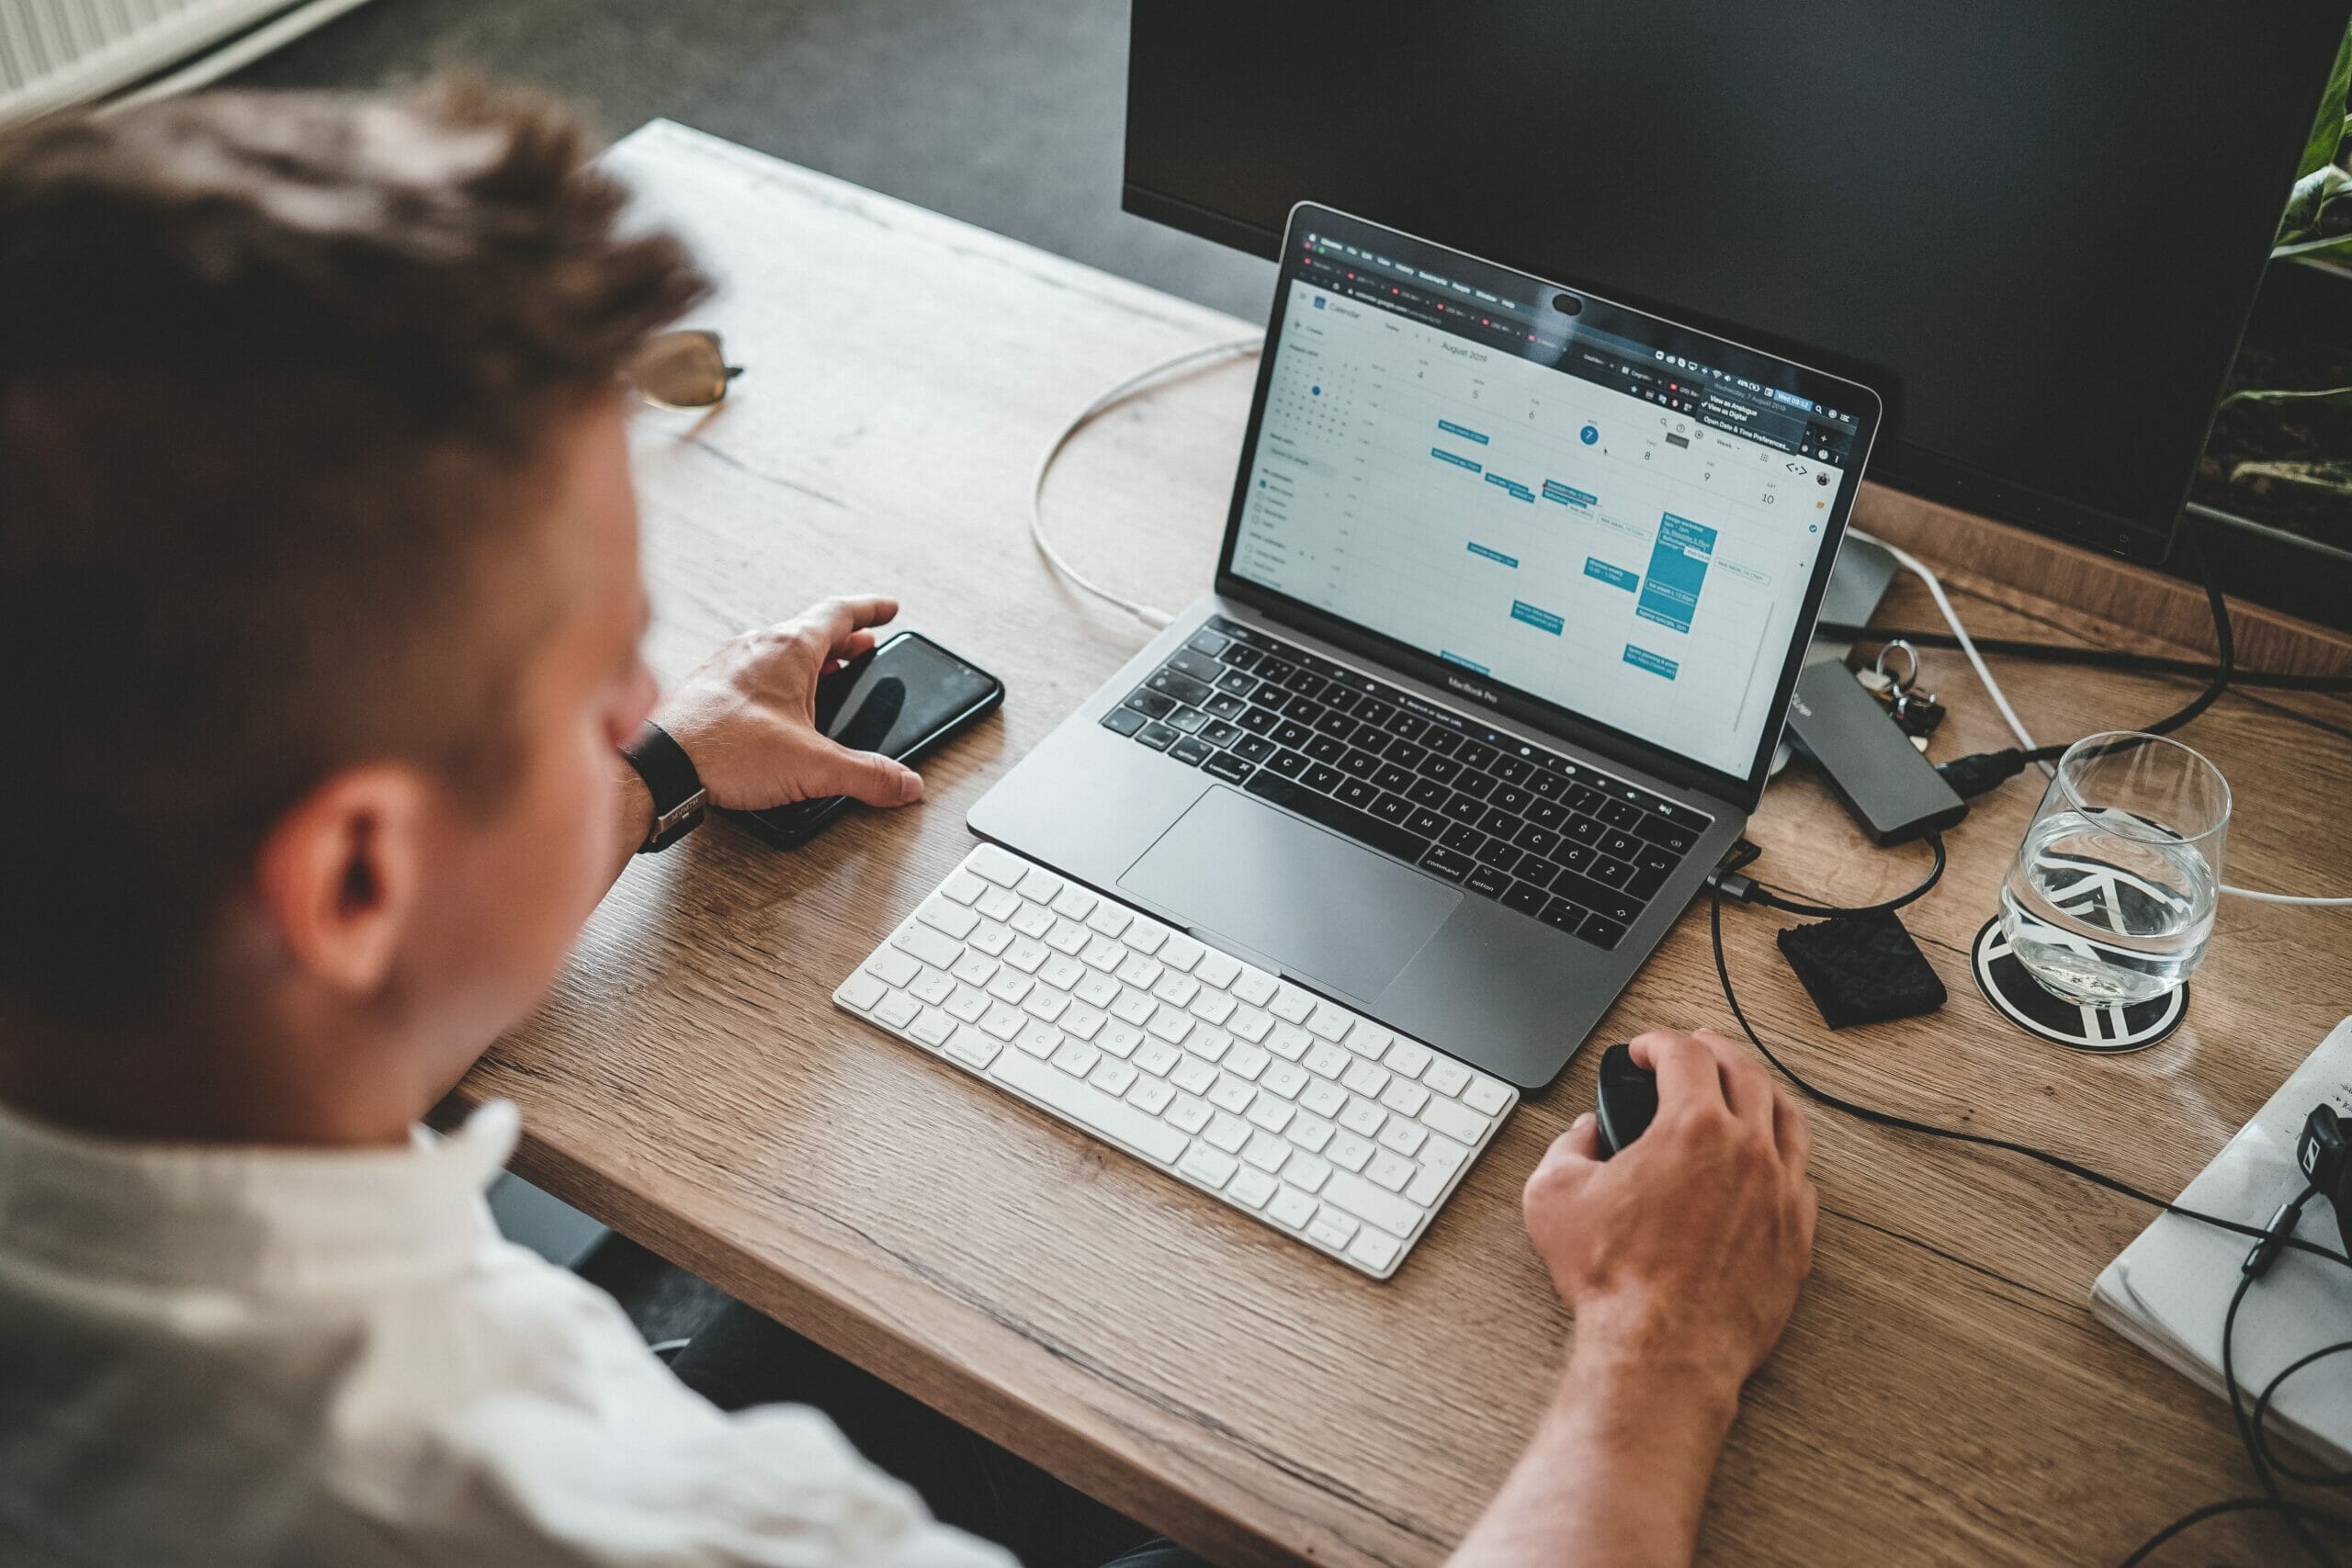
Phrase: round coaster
x=2019 y=998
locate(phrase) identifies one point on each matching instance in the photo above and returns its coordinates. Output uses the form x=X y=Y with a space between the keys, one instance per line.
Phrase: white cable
x=1993 y=689
x=1919 y=569
x=1140 y=381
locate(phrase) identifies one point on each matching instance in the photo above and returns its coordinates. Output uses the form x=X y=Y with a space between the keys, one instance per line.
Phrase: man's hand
x=1689 y=1247
x=1681 y=1259
x=748 y=715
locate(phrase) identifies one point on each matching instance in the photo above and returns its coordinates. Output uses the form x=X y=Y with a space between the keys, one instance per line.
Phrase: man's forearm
x=1616 y=1474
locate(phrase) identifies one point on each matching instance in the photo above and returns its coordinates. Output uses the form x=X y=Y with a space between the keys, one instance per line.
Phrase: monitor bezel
x=1769 y=369
x=1899 y=463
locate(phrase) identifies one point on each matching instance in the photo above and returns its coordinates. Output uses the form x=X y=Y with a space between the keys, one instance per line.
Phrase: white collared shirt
x=230 y=1356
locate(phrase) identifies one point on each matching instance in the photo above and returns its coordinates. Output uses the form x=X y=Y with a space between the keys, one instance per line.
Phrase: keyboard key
x=1454 y=1120
x=861 y=991
x=1227 y=1133
x=1602 y=931
x=1388 y=1169
x=893 y=967
x=1373 y=1249
x=1151 y=703
x=1159 y=736
x=1526 y=897
x=1228 y=767
x=1122 y=720
x=1487 y=1097
x=1323 y=1097
x=1672 y=838
x=1406 y=1058
x=1265 y=1151
x=1498 y=853
x=1250 y=1188
x=1446 y=1076
x=1487 y=882
x=1210 y=1167
x=1179 y=685
x=1200 y=665
x=1292 y=1207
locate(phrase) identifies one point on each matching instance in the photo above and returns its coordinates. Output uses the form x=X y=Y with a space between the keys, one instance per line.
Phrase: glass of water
x=2110 y=900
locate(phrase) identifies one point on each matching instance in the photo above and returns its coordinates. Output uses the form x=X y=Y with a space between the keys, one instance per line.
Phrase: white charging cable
x=2000 y=700
x=1141 y=382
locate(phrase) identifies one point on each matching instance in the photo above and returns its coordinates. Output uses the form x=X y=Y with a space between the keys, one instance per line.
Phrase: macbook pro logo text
x=1472 y=689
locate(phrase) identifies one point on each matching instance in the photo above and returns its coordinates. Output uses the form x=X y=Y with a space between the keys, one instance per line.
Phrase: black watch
x=669 y=777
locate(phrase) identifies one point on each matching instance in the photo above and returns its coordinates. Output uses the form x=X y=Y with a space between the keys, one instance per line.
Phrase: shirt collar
x=247 y=1218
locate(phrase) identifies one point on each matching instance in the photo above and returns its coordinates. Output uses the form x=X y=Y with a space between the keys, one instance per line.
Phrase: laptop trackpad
x=1313 y=902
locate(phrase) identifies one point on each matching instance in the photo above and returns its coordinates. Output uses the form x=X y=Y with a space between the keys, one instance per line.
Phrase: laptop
x=1515 y=583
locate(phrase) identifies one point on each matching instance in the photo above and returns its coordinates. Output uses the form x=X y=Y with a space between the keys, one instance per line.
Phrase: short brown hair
x=272 y=369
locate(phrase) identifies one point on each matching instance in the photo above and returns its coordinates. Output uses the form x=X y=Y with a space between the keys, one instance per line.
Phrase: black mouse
x=1626 y=1102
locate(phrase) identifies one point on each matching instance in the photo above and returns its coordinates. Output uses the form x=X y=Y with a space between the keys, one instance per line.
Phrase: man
x=319 y=599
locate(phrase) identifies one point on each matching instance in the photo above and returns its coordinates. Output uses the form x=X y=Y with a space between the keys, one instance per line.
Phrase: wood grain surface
x=1943 y=1393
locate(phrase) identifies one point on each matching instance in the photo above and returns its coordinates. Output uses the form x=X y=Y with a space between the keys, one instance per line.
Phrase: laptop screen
x=1550 y=494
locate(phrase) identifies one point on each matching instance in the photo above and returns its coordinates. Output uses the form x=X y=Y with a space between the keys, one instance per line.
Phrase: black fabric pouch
x=1862 y=969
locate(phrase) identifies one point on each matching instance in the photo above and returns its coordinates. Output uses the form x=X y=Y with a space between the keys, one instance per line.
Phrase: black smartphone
x=900 y=699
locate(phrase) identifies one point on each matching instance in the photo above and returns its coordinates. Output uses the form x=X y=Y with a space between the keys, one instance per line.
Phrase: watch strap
x=669 y=777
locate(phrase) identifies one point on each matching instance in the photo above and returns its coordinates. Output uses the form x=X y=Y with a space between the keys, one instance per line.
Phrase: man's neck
x=193 y=1083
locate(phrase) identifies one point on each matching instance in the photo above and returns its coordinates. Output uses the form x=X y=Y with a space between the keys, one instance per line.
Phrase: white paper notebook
x=2170 y=1289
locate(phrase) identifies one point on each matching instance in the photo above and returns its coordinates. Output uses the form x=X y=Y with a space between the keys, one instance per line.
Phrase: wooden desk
x=1942 y=1394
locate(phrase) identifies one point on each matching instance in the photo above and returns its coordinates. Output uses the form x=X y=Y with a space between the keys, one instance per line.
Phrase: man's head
x=319 y=599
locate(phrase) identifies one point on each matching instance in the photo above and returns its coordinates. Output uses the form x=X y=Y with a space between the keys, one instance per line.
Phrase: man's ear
x=338 y=875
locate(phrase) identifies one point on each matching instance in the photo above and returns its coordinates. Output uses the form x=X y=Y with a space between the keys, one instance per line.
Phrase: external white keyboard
x=1289 y=1107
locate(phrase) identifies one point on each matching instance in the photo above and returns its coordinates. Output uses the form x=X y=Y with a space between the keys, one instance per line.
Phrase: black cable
x=1750 y=892
x=1973 y=776
x=2224 y=651
x=2093 y=658
x=1888 y=1119
x=2262 y=1411
x=2249 y=1432
x=2246 y=1435
x=2210 y=1511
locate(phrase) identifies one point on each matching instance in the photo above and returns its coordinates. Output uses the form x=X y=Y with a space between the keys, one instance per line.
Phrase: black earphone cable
x=2250 y=1426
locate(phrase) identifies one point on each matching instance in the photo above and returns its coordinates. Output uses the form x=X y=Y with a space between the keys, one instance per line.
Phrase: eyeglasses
x=681 y=370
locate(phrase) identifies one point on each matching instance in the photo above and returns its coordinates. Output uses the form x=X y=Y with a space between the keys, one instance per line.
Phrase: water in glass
x=2110 y=897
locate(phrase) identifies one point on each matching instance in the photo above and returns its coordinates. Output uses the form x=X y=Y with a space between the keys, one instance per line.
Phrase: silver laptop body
x=1515 y=584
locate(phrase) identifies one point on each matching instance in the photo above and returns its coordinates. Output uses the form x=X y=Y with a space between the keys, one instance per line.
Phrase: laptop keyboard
x=1556 y=841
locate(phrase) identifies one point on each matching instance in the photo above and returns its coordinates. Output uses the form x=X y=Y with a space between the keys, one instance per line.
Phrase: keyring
x=1910 y=653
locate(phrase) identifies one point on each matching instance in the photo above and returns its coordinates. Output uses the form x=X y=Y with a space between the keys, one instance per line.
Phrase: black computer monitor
x=2035 y=226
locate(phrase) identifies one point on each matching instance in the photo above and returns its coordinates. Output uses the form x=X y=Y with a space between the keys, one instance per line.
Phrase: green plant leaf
x=2327 y=247
x=2331 y=479
x=2310 y=198
x=2328 y=125
x=2329 y=397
